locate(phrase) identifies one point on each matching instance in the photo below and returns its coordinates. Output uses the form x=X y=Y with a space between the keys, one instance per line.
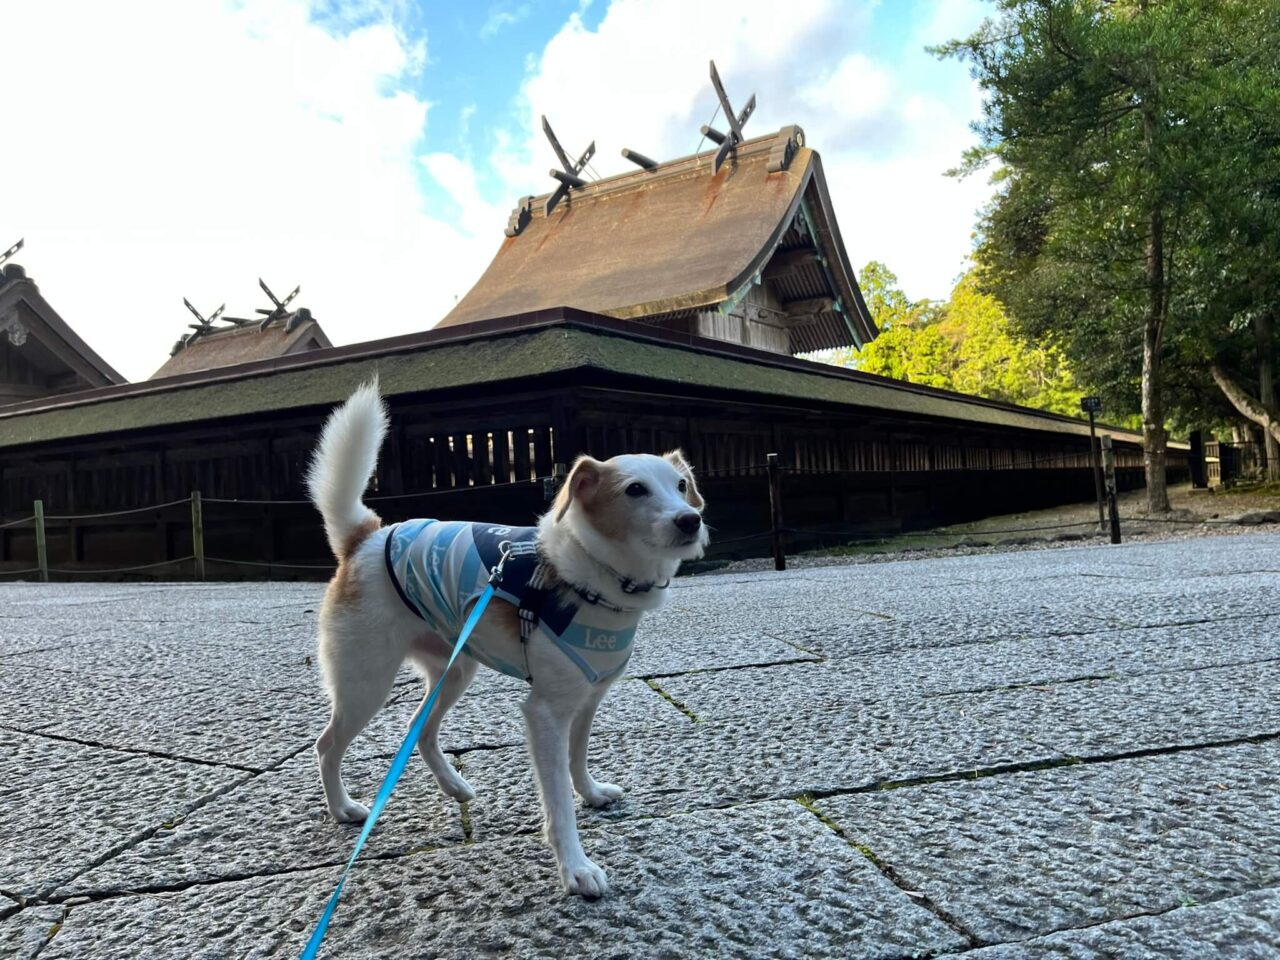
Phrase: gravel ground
x=1236 y=512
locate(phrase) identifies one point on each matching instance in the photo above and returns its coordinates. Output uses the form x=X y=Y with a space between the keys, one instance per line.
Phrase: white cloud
x=175 y=150
x=167 y=150
x=501 y=16
x=640 y=80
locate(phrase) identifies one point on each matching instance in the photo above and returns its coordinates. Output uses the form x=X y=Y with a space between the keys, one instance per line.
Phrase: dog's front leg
x=592 y=791
x=548 y=725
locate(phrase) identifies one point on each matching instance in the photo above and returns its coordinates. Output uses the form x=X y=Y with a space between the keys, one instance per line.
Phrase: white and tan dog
x=605 y=552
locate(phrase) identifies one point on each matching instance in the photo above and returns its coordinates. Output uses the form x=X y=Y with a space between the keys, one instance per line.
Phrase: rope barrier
x=141 y=566
x=17 y=523
x=258 y=563
x=115 y=513
x=750 y=536
x=18 y=573
x=255 y=503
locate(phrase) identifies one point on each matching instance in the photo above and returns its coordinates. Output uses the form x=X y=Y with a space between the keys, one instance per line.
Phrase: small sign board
x=1091 y=404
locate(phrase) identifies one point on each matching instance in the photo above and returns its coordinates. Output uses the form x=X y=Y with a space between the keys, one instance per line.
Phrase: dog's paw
x=455 y=786
x=349 y=811
x=584 y=879
x=602 y=794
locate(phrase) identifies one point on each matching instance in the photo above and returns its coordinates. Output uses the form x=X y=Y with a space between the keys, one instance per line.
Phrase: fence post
x=551 y=484
x=197 y=533
x=1109 y=469
x=42 y=552
x=775 y=510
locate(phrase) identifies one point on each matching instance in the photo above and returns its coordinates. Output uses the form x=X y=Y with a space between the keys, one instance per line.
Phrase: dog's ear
x=676 y=459
x=582 y=484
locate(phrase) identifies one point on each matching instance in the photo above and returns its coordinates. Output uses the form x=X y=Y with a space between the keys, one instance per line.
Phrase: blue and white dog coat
x=440 y=568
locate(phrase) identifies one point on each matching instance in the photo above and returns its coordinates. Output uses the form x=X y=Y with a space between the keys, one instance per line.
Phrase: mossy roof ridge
x=646 y=359
x=449 y=365
x=495 y=359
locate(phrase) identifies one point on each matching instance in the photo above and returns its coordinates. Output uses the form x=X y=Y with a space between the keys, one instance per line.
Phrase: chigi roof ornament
x=10 y=252
x=568 y=176
x=728 y=141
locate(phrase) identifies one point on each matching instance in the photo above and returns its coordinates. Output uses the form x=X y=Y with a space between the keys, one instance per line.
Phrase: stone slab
x=37 y=698
x=718 y=764
x=1024 y=854
x=491 y=717
x=658 y=655
x=975 y=667
x=67 y=805
x=1246 y=927
x=244 y=727
x=25 y=933
x=1109 y=717
x=769 y=880
x=278 y=822
x=188 y=658
x=924 y=629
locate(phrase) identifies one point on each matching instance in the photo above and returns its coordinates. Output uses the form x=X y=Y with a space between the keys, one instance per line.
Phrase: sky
x=372 y=150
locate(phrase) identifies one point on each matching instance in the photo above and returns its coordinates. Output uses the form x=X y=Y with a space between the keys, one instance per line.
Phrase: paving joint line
x=53 y=932
x=820 y=657
x=139 y=751
x=1137 y=915
x=94 y=896
x=147 y=833
x=735 y=666
x=84 y=898
x=1026 y=685
x=1029 y=766
x=916 y=897
x=653 y=685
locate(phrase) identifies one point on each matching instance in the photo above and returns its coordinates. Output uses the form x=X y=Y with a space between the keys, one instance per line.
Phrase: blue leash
x=397 y=766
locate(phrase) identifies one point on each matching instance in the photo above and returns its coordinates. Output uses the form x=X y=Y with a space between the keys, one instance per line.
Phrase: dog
x=571 y=592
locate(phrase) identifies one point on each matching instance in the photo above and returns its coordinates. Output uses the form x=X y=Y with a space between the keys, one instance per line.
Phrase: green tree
x=1121 y=130
x=992 y=360
x=966 y=344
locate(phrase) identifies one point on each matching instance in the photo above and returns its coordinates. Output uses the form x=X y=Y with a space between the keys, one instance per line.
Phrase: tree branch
x=1247 y=405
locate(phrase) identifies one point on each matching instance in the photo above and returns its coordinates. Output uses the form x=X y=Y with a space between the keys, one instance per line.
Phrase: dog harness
x=440 y=567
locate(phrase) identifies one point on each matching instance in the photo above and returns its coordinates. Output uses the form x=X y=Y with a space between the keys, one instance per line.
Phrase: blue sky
x=372 y=149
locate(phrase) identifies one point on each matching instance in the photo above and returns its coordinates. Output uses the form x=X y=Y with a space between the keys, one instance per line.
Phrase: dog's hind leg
x=360 y=672
x=592 y=791
x=455 y=684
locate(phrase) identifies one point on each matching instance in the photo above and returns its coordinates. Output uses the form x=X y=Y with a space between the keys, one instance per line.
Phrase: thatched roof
x=680 y=237
x=227 y=346
x=535 y=348
x=45 y=341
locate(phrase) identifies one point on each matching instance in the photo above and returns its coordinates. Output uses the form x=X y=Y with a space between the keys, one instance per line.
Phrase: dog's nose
x=688 y=523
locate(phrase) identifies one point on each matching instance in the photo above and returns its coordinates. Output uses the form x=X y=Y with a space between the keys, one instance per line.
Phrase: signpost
x=1091 y=406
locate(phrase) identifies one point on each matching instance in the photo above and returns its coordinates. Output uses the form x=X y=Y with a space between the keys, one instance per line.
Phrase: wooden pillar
x=42 y=553
x=775 y=511
x=1109 y=474
x=197 y=533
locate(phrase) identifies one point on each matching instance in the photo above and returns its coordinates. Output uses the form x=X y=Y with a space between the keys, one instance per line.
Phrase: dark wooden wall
x=480 y=457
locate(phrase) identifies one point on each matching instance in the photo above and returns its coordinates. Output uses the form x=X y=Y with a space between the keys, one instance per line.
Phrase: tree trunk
x=1153 y=433
x=1263 y=328
x=1267 y=419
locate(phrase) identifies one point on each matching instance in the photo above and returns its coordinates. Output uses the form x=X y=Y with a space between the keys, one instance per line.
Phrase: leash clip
x=495 y=575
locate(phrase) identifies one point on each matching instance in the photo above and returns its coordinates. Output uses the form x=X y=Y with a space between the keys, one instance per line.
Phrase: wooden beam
x=802 y=308
x=788 y=261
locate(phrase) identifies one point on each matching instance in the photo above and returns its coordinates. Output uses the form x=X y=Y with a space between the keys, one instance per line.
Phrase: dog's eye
x=683 y=486
x=637 y=490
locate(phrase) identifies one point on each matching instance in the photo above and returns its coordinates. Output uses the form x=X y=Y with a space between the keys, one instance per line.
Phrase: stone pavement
x=1068 y=753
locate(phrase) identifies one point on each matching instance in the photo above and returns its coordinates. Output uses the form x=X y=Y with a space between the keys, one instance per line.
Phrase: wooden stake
x=42 y=552
x=197 y=533
x=1109 y=471
x=775 y=510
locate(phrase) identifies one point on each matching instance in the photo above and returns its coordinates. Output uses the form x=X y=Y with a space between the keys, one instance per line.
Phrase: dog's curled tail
x=344 y=461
